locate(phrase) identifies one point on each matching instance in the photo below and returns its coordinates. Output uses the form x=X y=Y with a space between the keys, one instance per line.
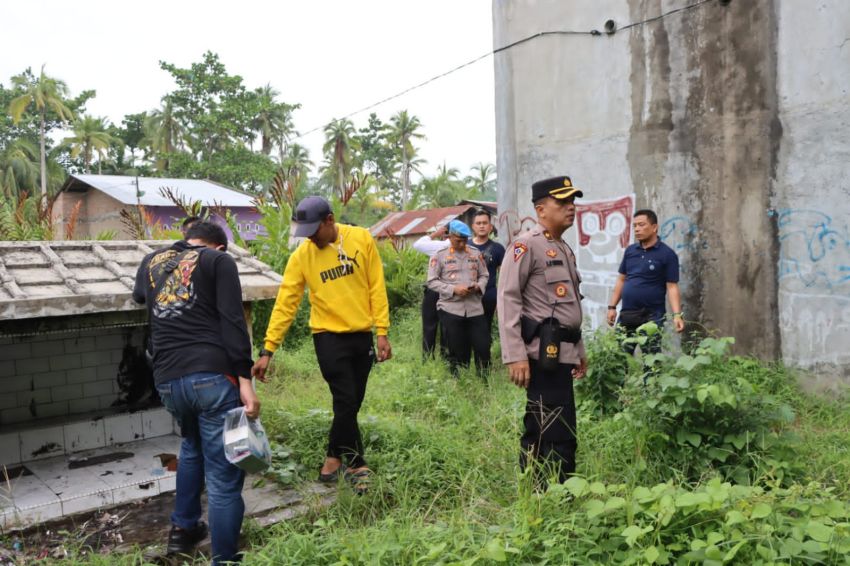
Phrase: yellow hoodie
x=346 y=287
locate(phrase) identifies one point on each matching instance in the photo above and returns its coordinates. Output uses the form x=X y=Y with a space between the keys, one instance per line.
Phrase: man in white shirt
x=430 y=244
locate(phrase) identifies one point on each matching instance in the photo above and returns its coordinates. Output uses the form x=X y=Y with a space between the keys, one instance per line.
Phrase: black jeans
x=550 y=420
x=465 y=335
x=345 y=361
x=430 y=322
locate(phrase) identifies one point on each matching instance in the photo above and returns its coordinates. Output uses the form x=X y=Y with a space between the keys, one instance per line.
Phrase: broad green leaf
x=593 y=508
x=651 y=554
x=576 y=485
x=734 y=517
x=733 y=551
x=760 y=511
x=634 y=532
x=819 y=531
x=495 y=550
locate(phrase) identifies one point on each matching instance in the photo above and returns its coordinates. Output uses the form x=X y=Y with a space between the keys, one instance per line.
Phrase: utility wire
x=592 y=32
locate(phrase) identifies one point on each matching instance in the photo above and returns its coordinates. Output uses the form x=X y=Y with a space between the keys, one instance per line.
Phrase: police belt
x=531 y=330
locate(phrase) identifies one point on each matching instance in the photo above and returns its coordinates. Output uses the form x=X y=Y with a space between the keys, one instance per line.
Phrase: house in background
x=407 y=226
x=102 y=197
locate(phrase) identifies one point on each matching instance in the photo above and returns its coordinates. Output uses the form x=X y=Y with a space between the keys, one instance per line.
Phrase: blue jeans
x=199 y=401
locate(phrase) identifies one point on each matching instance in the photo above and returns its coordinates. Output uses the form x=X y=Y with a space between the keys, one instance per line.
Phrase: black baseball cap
x=555 y=187
x=309 y=213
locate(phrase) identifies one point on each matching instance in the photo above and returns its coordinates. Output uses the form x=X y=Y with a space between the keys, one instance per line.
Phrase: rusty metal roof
x=43 y=279
x=413 y=222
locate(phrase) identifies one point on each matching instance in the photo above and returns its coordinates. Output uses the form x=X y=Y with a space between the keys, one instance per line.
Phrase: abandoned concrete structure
x=80 y=422
x=730 y=118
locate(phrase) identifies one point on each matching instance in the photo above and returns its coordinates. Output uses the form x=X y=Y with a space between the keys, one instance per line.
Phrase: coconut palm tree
x=44 y=93
x=403 y=129
x=338 y=148
x=482 y=180
x=296 y=161
x=164 y=134
x=19 y=168
x=273 y=120
x=443 y=189
x=90 y=137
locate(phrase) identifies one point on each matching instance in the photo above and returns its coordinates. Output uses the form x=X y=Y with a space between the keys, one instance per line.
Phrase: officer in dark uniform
x=540 y=318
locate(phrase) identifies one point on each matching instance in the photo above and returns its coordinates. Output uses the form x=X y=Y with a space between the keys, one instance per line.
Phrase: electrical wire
x=593 y=33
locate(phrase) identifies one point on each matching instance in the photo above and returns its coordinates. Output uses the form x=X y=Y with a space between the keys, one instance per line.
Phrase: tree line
x=213 y=126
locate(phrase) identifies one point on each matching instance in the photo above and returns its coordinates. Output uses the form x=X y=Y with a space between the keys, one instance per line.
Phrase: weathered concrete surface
x=730 y=121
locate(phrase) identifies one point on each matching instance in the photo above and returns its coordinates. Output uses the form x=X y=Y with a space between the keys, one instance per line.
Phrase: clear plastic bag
x=245 y=442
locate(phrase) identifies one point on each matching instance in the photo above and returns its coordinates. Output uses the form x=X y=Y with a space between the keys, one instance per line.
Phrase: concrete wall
x=730 y=121
x=60 y=374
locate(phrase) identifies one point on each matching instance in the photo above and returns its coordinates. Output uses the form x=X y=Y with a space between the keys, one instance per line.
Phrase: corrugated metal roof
x=123 y=189
x=42 y=279
x=412 y=222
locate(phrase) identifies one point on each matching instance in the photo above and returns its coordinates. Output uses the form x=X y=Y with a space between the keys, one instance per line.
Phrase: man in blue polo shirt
x=648 y=273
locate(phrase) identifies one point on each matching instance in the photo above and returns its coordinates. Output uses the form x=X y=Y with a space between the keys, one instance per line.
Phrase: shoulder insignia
x=547 y=234
x=551 y=253
x=519 y=250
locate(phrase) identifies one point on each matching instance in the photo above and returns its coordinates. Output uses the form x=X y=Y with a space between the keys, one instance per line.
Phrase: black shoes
x=183 y=542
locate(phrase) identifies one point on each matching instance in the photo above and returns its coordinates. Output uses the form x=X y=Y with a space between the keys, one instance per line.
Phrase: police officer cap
x=309 y=214
x=555 y=187
x=459 y=228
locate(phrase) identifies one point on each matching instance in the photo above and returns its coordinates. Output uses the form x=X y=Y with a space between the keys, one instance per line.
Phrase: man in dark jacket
x=202 y=369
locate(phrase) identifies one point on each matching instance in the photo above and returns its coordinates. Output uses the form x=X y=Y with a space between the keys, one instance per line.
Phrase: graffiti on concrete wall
x=603 y=232
x=814 y=286
x=511 y=224
x=814 y=250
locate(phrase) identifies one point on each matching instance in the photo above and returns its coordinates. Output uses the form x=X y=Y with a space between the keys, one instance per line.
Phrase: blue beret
x=459 y=228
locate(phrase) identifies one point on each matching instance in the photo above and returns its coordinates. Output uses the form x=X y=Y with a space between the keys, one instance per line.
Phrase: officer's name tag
x=554 y=262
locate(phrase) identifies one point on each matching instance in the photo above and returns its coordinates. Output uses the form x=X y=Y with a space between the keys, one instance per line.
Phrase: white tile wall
x=41 y=443
x=157 y=422
x=10 y=449
x=84 y=436
x=54 y=490
x=126 y=427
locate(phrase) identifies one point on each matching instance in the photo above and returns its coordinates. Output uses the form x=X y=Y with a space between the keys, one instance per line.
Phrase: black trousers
x=430 y=321
x=550 y=420
x=345 y=361
x=489 y=310
x=465 y=335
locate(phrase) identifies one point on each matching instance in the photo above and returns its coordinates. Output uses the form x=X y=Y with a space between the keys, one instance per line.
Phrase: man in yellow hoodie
x=341 y=268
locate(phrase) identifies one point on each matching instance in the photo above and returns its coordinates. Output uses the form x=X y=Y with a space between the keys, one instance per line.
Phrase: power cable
x=593 y=33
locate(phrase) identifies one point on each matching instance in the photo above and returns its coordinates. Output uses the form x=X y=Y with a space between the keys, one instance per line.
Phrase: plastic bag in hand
x=245 y=442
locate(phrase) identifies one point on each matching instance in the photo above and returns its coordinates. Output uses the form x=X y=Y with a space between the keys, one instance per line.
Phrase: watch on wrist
x=612 y=307
x=675 y=314
x=265 y=352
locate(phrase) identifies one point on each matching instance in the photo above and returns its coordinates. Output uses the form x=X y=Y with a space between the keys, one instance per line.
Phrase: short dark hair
x=190 y=220
x=208 y=232
x=482 y=212
x=653 y=218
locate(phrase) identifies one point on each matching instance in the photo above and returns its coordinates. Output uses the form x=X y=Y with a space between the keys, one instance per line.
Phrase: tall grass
x=447 y=488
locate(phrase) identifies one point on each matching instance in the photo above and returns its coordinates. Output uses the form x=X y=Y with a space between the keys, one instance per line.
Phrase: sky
x=332 y=56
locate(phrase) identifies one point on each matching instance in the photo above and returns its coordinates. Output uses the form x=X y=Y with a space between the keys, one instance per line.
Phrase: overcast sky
x=332 y=56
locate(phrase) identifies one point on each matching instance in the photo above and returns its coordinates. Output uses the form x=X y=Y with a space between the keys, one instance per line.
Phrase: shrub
x=607 y=368
x=404 y=272
x=698 y=414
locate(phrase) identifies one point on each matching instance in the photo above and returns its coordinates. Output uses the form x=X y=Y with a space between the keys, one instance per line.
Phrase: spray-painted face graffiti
x=604 y=230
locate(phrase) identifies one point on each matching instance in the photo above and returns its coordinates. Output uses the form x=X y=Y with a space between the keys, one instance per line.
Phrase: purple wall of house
x=247 y=220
